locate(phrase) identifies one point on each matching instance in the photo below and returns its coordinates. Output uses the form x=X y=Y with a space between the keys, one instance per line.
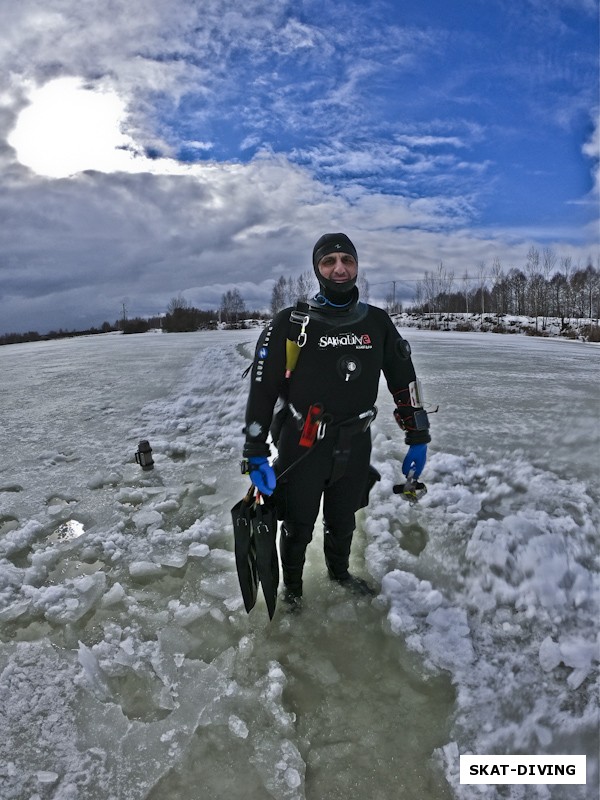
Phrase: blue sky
x=469 y=99
x=163 y=147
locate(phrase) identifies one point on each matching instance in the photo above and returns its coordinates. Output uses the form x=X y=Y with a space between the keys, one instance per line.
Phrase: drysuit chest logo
x=356 y=340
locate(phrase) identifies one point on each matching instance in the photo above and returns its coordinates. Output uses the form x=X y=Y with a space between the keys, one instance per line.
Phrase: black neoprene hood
x=333 y=243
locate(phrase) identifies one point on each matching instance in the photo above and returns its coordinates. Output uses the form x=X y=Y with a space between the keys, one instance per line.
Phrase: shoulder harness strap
x=296 y=338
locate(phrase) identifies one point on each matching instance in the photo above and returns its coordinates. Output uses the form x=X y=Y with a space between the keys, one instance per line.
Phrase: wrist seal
x=414 y=422
x=256 y=449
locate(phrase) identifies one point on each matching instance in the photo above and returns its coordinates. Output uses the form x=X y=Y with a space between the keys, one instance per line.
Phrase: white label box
x=487 y=769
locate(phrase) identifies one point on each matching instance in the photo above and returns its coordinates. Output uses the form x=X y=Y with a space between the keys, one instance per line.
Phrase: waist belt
x=344 y=430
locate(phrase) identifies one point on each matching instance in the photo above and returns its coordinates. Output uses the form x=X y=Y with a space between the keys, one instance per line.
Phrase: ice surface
x=128 y=667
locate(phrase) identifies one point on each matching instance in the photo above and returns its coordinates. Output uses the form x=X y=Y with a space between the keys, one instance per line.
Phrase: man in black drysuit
x=344 y=346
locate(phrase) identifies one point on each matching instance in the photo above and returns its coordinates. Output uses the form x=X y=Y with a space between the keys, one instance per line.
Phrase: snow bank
x=514 y=614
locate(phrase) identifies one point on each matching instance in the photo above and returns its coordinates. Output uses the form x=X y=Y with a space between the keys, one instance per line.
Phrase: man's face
x=338 y=267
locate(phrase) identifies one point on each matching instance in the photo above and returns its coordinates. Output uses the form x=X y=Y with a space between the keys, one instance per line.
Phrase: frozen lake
x=128 y=667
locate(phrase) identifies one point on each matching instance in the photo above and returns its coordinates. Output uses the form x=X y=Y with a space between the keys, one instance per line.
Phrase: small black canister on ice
x=144 y=455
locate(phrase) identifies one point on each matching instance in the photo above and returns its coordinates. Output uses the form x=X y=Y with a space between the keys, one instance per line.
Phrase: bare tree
x=566 y=266
x=517 y=281
x=446 y=280
x=177 y=303
x=586 y=286
x=278 y=296
x=548 y=267
x=232 y=305
x=465 y=283
x=559 y=287
x=363 y=287
x=291 y=289
x=437 y=289
x=481 y=269
x=419 y=295
x=305 y=285
x=430 y=291
x=499 y=290
x=534 y=281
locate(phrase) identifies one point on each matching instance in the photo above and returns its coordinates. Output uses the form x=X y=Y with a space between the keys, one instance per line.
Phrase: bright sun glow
x=67 y=129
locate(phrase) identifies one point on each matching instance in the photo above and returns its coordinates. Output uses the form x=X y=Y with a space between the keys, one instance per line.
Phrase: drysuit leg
x=293 y=541
x=340 y=501
x=299 y=501
x=336 y=546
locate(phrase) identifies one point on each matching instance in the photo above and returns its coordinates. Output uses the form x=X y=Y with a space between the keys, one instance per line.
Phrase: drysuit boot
x=293 y=542
x=337 y=557
x=336 y=546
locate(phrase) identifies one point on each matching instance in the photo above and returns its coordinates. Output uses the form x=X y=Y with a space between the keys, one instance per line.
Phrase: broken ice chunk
x=46 y=777
x=147 y=519
x=238 y=727
x=198 y=550
x=549 y=654
x=92 y=673
x=176 y=560
x=141 y=569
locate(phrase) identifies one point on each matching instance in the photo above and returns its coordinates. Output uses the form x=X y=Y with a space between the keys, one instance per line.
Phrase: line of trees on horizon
x=180 y=317
x=546 y=287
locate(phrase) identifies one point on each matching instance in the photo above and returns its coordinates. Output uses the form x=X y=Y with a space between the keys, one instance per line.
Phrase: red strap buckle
x=311 y=425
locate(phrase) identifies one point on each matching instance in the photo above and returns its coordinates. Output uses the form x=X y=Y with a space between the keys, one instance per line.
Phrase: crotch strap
x=345 y=432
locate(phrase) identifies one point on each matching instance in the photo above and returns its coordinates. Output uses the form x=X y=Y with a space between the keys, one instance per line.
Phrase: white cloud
x=297 y=35
x=591 y=148
x=205 y=146
x=431 y=141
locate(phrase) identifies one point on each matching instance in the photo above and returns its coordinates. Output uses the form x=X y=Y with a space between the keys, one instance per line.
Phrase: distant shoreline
x=572 y=329
x=583 y=330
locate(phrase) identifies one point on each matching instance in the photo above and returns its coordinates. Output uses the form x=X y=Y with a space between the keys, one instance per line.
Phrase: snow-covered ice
x=128 y=667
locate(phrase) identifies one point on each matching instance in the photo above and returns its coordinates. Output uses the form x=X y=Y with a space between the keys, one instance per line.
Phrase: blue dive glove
x=262 y=474
x=415 y=459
